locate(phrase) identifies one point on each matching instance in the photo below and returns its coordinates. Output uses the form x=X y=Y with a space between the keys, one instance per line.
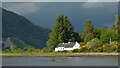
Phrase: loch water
x=59 y=61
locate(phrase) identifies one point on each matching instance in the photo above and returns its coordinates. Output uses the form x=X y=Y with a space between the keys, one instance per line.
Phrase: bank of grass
x=25 y=53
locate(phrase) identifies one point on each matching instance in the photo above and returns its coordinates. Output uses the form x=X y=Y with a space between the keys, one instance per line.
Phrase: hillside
x=16 y=26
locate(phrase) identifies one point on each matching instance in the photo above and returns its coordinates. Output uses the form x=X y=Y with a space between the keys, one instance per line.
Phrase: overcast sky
x=45 y=13
x=60 y=0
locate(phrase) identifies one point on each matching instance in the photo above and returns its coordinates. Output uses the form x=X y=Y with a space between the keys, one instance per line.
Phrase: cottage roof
x=66 y=45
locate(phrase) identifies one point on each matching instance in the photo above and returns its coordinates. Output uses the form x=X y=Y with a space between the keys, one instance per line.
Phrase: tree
x=111 y=33
x=89 y=31
x=117 y=22
x=119 y=29
x=62 y=31
x=98 y=33
x=76 y=37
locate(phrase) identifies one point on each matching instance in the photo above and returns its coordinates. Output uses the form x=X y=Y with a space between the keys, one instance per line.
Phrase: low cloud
x=92 y=5
x=100 y=5
x=22 y=8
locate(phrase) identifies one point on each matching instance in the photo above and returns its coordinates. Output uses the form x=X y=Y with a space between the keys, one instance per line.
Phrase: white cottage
x=67 y=46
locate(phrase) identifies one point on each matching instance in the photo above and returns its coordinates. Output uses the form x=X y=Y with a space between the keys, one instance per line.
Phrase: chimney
x=69 y=41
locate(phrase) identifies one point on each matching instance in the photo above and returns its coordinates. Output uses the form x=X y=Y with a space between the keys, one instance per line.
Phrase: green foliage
x=26 y=49
x=88 y=37
x=76 y=37
x=65 y=51
x=62 y=31
x=118 y=28
x=89 y=31
x=98 y=33
x=81 y=35
x=82 y=43
x=93 y=43
x=99 y=49
x=42 y=50
x=117 y=21
x=75 y=50
x=81 y=50
x=12 y=49
x=106 y=35
x=48 y=51
x=109 y=48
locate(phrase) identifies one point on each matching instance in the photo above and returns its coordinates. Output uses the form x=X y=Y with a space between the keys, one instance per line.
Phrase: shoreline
x=69 y=55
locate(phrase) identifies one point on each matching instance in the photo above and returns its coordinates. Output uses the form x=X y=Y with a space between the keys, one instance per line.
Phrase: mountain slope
x=16 y=26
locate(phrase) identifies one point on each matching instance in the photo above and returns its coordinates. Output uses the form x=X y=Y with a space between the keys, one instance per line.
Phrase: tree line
x=63 y=31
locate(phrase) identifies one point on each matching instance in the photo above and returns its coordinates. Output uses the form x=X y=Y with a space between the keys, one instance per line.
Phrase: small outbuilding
x=67 y=46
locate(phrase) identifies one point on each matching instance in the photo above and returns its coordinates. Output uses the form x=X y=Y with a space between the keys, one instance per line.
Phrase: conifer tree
x=62 y=31
x=89 y=31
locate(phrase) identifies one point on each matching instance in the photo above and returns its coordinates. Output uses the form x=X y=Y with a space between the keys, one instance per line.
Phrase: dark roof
x=66 y=45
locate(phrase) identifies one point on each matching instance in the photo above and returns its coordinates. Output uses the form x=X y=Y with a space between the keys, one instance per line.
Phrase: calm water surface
x=59 y=61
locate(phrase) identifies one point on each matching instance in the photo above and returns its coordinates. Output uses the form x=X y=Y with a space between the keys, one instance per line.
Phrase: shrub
x=116 y=45
x=82 y=49
x=118 y=48
x=93 y=43
x=104 y=46
x=48 y=50
x=65 y=51
x=58 y=51
x=75 y=50
x=99 y=49
x=38 y=50
x=92 y=50
x=110 y=49
x=42 y=50
x=85 y=46
x=82 y=43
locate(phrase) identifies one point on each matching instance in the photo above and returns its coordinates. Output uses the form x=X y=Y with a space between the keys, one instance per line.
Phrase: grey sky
x=60 y=0
x=45 y=13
